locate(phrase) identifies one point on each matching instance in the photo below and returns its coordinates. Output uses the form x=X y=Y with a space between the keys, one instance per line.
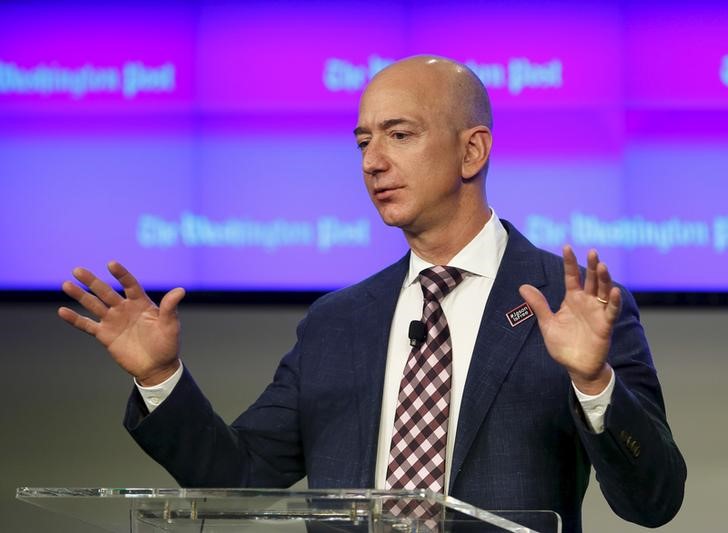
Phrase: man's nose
x=374 y=159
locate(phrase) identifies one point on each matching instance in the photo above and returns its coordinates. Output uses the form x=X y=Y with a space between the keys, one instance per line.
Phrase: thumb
x=169 y=303
x=537 y=302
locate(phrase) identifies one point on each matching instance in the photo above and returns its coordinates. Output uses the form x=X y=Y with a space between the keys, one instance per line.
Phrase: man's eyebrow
x=384 y=125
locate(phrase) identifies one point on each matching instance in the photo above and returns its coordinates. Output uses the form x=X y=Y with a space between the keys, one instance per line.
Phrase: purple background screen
x=209 y=144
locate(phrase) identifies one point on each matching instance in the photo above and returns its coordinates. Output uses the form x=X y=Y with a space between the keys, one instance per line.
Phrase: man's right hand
x=141 y=337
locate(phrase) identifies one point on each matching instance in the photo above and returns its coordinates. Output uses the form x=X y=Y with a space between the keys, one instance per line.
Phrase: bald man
x=547 y=370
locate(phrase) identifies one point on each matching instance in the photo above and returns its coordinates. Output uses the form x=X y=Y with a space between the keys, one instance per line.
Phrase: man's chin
x=393 y=221
x=395 y=218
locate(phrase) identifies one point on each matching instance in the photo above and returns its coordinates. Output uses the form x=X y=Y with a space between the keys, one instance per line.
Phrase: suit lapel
x=498 y=342
x=371 y=341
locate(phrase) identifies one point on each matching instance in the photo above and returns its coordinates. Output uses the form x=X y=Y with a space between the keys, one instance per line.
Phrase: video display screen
x=209 y=144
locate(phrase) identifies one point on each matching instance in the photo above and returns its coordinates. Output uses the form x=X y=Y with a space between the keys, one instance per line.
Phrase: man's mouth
x=385 y=193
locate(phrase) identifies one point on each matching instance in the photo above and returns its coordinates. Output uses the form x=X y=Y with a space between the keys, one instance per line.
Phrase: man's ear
x=478 y=141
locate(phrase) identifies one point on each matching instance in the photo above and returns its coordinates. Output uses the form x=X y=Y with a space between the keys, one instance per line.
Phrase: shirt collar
x=480 y=257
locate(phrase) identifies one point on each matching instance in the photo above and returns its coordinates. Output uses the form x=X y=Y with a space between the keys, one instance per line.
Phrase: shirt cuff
x=155 y=395
x=595 y=407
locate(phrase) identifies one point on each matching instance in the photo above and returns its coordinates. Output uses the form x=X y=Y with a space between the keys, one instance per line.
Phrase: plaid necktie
x=419 y=440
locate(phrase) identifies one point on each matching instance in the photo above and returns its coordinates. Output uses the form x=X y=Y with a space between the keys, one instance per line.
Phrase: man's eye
x=399 y=135
x=362 y=144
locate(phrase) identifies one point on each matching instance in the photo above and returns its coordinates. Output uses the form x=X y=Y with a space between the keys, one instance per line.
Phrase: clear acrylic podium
x=250 y=510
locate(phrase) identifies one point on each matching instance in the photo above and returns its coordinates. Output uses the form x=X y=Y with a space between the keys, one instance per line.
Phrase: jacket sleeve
x=638 y=465
x=262 y=448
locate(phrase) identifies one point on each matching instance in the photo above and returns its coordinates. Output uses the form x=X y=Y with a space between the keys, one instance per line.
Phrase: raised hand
x=141 y=337
x=579 y=334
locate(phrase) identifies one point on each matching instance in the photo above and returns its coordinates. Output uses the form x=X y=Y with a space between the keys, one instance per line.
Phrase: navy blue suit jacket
x=521 y=440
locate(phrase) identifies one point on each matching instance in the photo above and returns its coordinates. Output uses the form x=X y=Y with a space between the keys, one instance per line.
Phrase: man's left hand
x=578 y=335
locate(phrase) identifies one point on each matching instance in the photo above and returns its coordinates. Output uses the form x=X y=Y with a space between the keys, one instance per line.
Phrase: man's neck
x=439 y=245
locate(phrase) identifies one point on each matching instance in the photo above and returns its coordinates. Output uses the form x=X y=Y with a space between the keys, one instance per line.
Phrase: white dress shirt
x=463 y=307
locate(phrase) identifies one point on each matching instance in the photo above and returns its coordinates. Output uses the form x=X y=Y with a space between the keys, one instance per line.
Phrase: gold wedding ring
x=602 y=300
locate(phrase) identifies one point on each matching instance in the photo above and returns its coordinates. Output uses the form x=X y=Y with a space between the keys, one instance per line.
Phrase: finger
x=132 y=288
x=572 y=277
x=590 y=283
x=604 y=282
x=537 y=302
x=89 y=302
x=83 y=323
x=614 y=305
x=100 y=288
x=169 y=303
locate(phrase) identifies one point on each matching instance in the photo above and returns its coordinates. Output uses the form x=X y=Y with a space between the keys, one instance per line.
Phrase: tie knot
x=438 y=281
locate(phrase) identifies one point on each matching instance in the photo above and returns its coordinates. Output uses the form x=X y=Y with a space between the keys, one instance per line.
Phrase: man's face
x=411 y=153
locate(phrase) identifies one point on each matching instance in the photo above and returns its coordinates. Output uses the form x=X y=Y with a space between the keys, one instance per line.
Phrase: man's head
x=424 y=132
